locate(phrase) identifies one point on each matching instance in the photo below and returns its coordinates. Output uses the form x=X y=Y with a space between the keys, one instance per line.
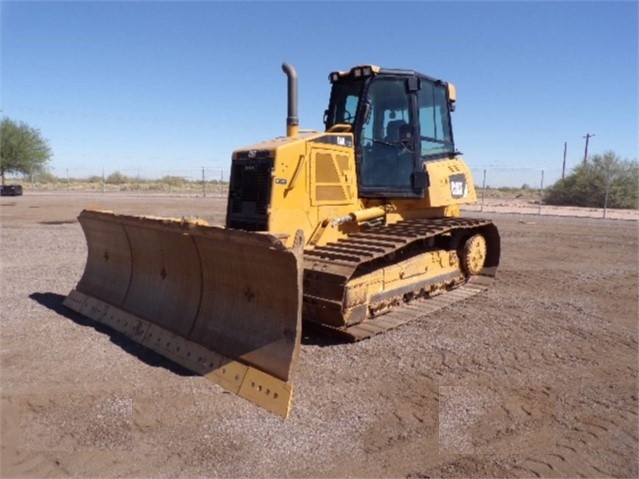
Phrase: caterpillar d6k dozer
x=354 y=230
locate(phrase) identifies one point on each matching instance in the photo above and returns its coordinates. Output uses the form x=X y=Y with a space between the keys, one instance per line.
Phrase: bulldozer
x=353 y=230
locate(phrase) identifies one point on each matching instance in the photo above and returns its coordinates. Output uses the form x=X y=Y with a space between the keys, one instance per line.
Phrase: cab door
x=388 y=149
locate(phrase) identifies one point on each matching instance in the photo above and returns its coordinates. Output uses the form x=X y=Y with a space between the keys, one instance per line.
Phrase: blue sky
x=169 y=87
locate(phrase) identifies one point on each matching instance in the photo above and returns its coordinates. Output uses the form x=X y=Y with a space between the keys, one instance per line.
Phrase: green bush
x=586 y=185
x=46 y=177
x=117 y=178
x=175 y=181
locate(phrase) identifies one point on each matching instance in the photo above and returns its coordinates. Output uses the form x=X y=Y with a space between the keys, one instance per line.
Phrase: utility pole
x=563 y=168
x=587 y=137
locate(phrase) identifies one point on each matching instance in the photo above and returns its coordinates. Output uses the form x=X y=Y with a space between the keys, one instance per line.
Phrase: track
x=331 y=270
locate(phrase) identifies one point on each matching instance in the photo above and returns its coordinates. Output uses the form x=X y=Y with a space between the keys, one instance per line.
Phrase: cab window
x=344 y=103
x=435 y=133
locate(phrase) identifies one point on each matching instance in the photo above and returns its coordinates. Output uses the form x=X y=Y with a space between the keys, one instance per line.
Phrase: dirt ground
x=536 y=377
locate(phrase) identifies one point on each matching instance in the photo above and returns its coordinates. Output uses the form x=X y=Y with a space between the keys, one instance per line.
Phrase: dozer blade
x=225 y=304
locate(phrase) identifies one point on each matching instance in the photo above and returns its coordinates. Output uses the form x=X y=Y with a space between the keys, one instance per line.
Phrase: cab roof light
x=355 y=72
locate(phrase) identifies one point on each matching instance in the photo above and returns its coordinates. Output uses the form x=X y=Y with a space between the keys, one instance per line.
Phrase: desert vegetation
x=602 y=180
x=119 y=182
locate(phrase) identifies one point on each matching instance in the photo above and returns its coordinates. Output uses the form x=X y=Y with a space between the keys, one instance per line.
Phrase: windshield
x=344 y=102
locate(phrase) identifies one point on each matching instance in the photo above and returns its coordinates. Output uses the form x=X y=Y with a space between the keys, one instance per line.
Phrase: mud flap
x=225 y=304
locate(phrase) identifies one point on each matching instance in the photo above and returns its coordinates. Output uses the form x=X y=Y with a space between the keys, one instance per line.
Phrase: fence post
x=483 y=192
x=68 y=181
x=607 y=191
x=203 y=188
x=103 y=182
x=541 y=193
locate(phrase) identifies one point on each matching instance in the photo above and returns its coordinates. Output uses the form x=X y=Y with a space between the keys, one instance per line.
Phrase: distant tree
x=22 y=149
x=117 y=178
x=94 y=179
x=586 y=185
x=173 y=180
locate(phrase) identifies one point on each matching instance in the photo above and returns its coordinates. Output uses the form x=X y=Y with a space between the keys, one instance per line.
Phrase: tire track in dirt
x=581 y=461
x=565 y=354
x=592 y=442
x=538 y=430
x=516 y=365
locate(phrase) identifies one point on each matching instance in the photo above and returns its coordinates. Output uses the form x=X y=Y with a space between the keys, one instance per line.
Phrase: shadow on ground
x=310 y=336
x=54 y=301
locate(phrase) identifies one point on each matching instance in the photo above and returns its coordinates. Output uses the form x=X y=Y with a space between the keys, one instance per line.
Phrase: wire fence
x=202 y=181
x=520 y=190
x=499 y=187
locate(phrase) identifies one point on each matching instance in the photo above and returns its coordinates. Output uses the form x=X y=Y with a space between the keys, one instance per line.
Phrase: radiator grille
x=250 y=194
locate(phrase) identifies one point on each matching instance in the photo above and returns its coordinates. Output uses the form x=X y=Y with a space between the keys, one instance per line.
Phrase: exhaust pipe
x=292 y=122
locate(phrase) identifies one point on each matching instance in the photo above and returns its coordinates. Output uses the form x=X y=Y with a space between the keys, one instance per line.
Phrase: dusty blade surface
x=223 y=303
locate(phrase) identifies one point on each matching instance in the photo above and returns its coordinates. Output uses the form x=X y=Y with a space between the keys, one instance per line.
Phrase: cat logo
x=458 y=186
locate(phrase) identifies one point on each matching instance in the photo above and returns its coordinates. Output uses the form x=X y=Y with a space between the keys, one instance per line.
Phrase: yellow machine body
x=315 y=182
x=354 y=230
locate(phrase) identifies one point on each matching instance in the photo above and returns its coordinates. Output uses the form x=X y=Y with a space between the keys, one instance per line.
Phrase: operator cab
x=400 y=119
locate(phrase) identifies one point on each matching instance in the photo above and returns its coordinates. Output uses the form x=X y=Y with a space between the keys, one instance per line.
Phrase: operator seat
x=393 y=130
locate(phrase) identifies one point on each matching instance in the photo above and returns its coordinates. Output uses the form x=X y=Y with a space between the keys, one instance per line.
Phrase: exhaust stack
x=292 y=121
